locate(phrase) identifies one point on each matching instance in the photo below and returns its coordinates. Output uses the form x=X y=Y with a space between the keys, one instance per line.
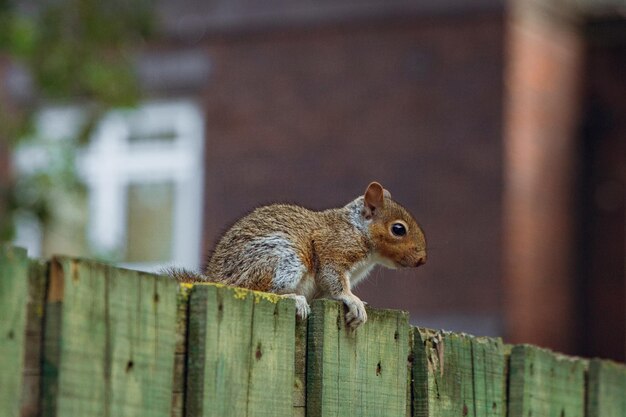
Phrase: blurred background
x=136 y=132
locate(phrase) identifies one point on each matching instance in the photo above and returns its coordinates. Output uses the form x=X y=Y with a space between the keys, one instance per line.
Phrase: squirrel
x=304 y=255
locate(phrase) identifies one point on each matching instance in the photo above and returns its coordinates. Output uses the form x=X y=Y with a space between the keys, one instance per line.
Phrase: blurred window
x=143 y=171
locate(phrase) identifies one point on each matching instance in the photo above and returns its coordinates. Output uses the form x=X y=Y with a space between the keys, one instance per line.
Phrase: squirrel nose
x=421 y=260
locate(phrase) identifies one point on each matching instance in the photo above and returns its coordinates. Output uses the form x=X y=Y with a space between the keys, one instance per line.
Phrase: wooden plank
x=409 y=373
x=543 y=383
x=31 y=387
x=362 y=372
x=196 y=348
x=443 y=374
x=241 y=353
x=272 y=358
x=489 y=377
x=109 y=341
x=13 y=300
x=180 y=363
x=218 y=379
x=422 y=361
x=299 y=386
x=606 y=389
x=455 y=374
x=142 y=338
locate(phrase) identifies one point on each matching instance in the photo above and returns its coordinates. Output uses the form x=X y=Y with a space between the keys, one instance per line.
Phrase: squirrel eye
x=398 y=229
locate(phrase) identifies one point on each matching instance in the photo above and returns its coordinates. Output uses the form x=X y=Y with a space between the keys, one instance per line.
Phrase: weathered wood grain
x=299 y=386
x=31 y=386
x=180 y=361
x=272 y=359
x=543 y=383
x=489 y=363
x=241 y=352
x=109 y=341
x=456 y=374
x=13 y=300
x=198 y=304
x=409 y=372
x=362 y=372
x=443 y=374
x=606 y=389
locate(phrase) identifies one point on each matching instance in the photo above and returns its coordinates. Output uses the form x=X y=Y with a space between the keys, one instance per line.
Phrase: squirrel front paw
x=356 y=314
x=302 y=306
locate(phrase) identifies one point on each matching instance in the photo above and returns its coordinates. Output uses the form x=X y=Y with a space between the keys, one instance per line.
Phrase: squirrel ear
x=386 y=193
x=374 y=198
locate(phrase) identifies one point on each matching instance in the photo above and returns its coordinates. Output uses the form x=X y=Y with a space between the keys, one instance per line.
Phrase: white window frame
x=111 y=162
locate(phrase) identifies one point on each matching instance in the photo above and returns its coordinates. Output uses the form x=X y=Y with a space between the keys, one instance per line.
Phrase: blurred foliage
x=75 y=51
x=77 y=48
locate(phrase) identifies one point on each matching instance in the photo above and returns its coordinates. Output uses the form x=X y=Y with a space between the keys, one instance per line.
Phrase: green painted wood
x=299 y=386
x=272 y=359
x=409 y=372
x=458 y=375
x=109 y=341
x=241 y=353
x=13 y=301
x=443 y=374
x=489 y=377
x=180 y=362
x=542 y=383
x=226 y=346
x=423 y=366
x=606 y=389
x=31 y=385
x=362 y=372
x=142 y=336
x=196 y=347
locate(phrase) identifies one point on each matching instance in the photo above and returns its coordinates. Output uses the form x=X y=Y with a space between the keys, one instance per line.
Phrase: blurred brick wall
x=311 y=116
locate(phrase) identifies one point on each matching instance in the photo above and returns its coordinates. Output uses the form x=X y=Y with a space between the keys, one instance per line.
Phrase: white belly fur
x=360 y=270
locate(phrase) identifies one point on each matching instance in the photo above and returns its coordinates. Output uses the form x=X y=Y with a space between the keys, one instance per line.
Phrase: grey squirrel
x=303 y=254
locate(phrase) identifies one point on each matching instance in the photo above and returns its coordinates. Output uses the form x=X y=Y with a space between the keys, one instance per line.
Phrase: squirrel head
x=395 y=234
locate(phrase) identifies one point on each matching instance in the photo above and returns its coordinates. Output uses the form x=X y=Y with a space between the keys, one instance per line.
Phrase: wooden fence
x=78 y=338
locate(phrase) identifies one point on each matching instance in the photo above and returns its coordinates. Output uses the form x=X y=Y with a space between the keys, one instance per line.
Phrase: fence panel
x=543 y=383
x=79 y=338
x=241 y=351
x=362 y=372
x=606 y=389
x=109 y=341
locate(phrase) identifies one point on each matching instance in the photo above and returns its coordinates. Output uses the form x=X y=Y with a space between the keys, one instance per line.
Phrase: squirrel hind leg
x=288 y=273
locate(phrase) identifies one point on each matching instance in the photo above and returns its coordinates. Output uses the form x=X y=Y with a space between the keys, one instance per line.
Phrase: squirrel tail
x=184 y=275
